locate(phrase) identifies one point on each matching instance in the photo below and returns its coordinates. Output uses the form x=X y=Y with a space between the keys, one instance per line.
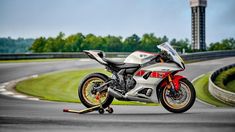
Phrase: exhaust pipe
x=115 y=94
x=119 y=96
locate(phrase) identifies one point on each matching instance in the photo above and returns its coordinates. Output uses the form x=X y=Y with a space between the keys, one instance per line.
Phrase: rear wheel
x=182 y=101
x=87 y=97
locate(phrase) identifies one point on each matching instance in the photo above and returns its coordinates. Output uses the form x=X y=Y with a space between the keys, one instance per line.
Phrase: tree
x=131 y=43
x=59 y=42
x=38 y=45
x=225 y=44
x=149 y=42
x=50 y=45
x=55 y=44
x=181 y=44
x=73 y=43
x=113 y=43
x=164 y=39
x=93 y=42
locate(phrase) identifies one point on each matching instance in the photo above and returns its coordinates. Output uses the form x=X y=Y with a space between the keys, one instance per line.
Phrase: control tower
x=198 y=8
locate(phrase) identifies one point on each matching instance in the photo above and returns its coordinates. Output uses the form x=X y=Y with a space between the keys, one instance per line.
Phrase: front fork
x=171 y=85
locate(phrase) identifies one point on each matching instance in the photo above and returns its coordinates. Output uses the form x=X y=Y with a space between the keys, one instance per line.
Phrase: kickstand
x=91 y=109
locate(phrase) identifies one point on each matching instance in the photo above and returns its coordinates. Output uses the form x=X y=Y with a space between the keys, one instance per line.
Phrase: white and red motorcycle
x=144 y=77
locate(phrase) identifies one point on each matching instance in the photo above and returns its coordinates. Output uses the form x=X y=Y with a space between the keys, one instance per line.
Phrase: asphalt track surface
x=18 y=115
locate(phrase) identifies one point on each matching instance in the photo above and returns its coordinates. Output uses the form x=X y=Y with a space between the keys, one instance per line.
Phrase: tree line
x=225 y=44
x=10 y=45
x=148 y=42
x=79 y=42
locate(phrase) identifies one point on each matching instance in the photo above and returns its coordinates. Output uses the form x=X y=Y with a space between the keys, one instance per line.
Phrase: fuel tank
x=139 y=57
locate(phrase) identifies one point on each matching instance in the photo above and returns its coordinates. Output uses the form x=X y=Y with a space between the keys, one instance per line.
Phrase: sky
x=35 y=18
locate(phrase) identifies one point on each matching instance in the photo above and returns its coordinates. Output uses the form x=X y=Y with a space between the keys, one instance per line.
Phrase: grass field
x=61 y=86
x=201 y=87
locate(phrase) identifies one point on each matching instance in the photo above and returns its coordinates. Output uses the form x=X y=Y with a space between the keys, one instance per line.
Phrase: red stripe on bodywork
x=155 y=74
x=140 y=73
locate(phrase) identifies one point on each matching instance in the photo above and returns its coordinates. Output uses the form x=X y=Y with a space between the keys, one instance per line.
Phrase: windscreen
x=175 y=56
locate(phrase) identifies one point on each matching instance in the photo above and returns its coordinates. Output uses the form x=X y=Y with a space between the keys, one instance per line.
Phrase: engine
x=124 y=84
x=130 y=82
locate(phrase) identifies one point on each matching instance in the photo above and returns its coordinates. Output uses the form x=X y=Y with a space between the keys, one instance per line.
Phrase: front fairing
x=174 y=55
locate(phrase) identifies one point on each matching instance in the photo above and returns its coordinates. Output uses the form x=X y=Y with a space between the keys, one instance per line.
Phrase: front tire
x=85 y=94
x=183 y=102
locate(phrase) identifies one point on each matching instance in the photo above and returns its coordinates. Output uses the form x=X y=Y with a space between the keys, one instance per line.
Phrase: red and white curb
x=7 y=89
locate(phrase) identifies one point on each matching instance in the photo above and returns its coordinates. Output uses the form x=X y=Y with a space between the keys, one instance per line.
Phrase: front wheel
x=182 y=101
x=87 y=97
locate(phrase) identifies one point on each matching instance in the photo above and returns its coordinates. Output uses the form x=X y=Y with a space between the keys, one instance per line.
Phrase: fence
x=199 y=56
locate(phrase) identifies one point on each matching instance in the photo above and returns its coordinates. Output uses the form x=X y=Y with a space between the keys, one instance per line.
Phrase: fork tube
x=171 y=83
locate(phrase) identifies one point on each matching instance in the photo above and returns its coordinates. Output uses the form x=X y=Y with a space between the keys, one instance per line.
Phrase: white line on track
x=196 y=78
x=19 y=96
x=7 y=93
x=6 y=83
x=34 y=76
x=84 y=59
x=33 y=99
x=2 y=89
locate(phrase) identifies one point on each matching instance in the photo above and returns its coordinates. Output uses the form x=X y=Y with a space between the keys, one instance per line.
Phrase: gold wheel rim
x=184 y=88
x=88 y=96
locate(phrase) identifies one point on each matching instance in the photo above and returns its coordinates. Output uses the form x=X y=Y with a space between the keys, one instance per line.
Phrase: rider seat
x=118 y=65
x=114 y=63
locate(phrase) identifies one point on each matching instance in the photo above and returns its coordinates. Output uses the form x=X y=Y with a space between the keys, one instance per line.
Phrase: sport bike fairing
x=145 y=87
x=158 y=72
x=143 y=76
x=139 y=57
x=96 y=55
x=175 y=56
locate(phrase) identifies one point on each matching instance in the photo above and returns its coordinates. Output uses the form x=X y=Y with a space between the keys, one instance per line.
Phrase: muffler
x=119 y=96
x=116 y=94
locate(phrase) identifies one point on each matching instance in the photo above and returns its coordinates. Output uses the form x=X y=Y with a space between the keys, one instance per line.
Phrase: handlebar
x=162 y=56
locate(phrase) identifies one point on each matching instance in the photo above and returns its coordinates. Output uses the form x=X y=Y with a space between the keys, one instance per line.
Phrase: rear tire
x=83 y=88
x=179 y=108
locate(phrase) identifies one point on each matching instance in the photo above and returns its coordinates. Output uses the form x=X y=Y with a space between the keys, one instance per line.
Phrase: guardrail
x=219 y=93
x=199 y=56
x=57 y=55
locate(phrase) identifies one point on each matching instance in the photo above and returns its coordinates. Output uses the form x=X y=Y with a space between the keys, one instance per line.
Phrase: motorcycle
x=144 y=77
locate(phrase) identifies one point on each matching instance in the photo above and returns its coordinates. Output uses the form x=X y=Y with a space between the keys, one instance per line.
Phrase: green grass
x=35 y=60
x=219 y=81
x=61 y=86
x=231 y=86
x=201 y=87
